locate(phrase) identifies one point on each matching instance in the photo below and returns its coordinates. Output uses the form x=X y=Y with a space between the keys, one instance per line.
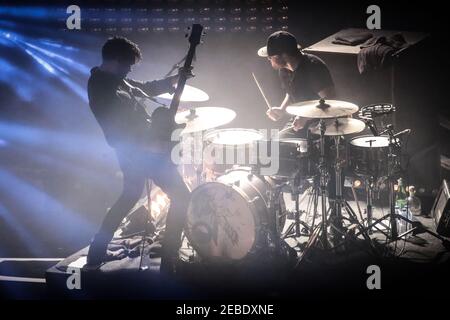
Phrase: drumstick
x=262 y=92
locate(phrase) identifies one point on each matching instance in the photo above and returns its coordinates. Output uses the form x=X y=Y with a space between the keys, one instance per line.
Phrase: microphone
x=406 y=131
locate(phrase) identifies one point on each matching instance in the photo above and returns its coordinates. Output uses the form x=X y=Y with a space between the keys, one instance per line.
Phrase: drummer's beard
x=280 y=63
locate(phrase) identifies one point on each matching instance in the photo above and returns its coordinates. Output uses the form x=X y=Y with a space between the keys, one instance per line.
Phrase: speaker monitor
x=441 y=210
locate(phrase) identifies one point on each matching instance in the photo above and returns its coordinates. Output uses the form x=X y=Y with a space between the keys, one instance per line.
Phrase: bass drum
x=228 y=220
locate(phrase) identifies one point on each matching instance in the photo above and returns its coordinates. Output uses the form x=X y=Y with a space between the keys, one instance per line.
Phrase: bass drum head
x=220 y=225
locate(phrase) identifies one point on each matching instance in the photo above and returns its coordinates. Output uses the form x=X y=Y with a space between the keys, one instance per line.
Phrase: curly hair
x=122 y=49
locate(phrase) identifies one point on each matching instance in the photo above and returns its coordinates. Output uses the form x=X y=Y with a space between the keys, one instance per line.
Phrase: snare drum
x=228 y=219
x=369 y=155
x=226 y=148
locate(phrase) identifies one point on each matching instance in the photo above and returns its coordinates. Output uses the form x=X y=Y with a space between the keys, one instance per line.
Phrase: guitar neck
x=182 y=79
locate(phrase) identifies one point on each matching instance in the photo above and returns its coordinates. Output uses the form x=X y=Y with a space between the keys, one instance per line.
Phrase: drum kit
x=237 y=213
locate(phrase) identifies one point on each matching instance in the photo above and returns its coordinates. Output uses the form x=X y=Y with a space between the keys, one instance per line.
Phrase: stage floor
x=418 y=263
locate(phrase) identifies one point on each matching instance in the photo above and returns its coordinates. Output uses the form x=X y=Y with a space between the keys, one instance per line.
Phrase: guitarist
x=126 y=127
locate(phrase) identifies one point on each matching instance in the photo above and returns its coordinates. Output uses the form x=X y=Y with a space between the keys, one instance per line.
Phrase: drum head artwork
x=219 y=223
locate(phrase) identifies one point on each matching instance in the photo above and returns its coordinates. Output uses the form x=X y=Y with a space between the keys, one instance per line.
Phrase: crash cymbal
x=340 y=126
x=204 y=118
x=190 y=94
x=322 y=109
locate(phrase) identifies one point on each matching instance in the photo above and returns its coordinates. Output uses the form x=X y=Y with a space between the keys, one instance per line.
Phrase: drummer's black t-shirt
x=307 y=80
x=304 y=83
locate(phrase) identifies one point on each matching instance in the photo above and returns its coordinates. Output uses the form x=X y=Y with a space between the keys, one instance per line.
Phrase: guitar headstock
x=196 y=33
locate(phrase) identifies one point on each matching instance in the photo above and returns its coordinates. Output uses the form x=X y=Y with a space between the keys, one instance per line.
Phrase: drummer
x=303 y=77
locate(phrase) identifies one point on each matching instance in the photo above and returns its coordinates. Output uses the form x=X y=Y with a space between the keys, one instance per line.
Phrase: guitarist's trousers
x=137 y=166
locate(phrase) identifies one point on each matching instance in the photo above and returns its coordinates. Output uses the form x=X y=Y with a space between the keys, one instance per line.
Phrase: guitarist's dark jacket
x=124 y=122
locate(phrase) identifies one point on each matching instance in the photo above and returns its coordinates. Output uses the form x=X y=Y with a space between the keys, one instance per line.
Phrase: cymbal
x=322 y=109
x=190 y=94
x=204 y=118
x=340 y=126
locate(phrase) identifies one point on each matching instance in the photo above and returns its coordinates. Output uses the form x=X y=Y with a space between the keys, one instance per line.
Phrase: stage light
x=251 y=29
x=173 y=11
x=205 y=10
x=236 y=19
x=236 y=29
x=126 y=11
x=220 y=10
x=142 y=11
x=173 y=29
x=94 y=21
x=220 y=29
x=236 y=10
x=111 y=21
x=126 y=29
x=252 y=10
x=252 y=19
x=268 y=29
x=158 y=11
x=111 y=30
x=126 y=20
x=111 y=12
x=43 y=63
x=191 y=20
x=158 y=29
x=143 y=21
x=188 y=10
x=142 y=29
x=284 y=28
x=283 y=19
x=267 y=19
x=283 y=9
x=267 y=10
x=220 y=20
x=173 y=20
x=158 y=20
x=205 y=20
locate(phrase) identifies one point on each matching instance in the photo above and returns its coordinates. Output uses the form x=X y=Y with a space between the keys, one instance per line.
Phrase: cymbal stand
x=323 y=181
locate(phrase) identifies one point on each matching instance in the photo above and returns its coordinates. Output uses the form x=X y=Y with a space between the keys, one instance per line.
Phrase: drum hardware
x=300 y=228
x=392 y=173
x=330 y=124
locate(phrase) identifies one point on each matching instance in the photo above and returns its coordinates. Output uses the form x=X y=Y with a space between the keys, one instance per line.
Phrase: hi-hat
x=190 y=94
x=340 y=126
x=322 y=109
x=204 y=118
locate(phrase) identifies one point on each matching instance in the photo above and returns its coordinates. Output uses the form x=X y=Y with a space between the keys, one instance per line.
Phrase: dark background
x=57 y=174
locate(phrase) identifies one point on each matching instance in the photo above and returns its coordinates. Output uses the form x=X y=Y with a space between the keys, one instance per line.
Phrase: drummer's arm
x=285 y=102
x=277 y=113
